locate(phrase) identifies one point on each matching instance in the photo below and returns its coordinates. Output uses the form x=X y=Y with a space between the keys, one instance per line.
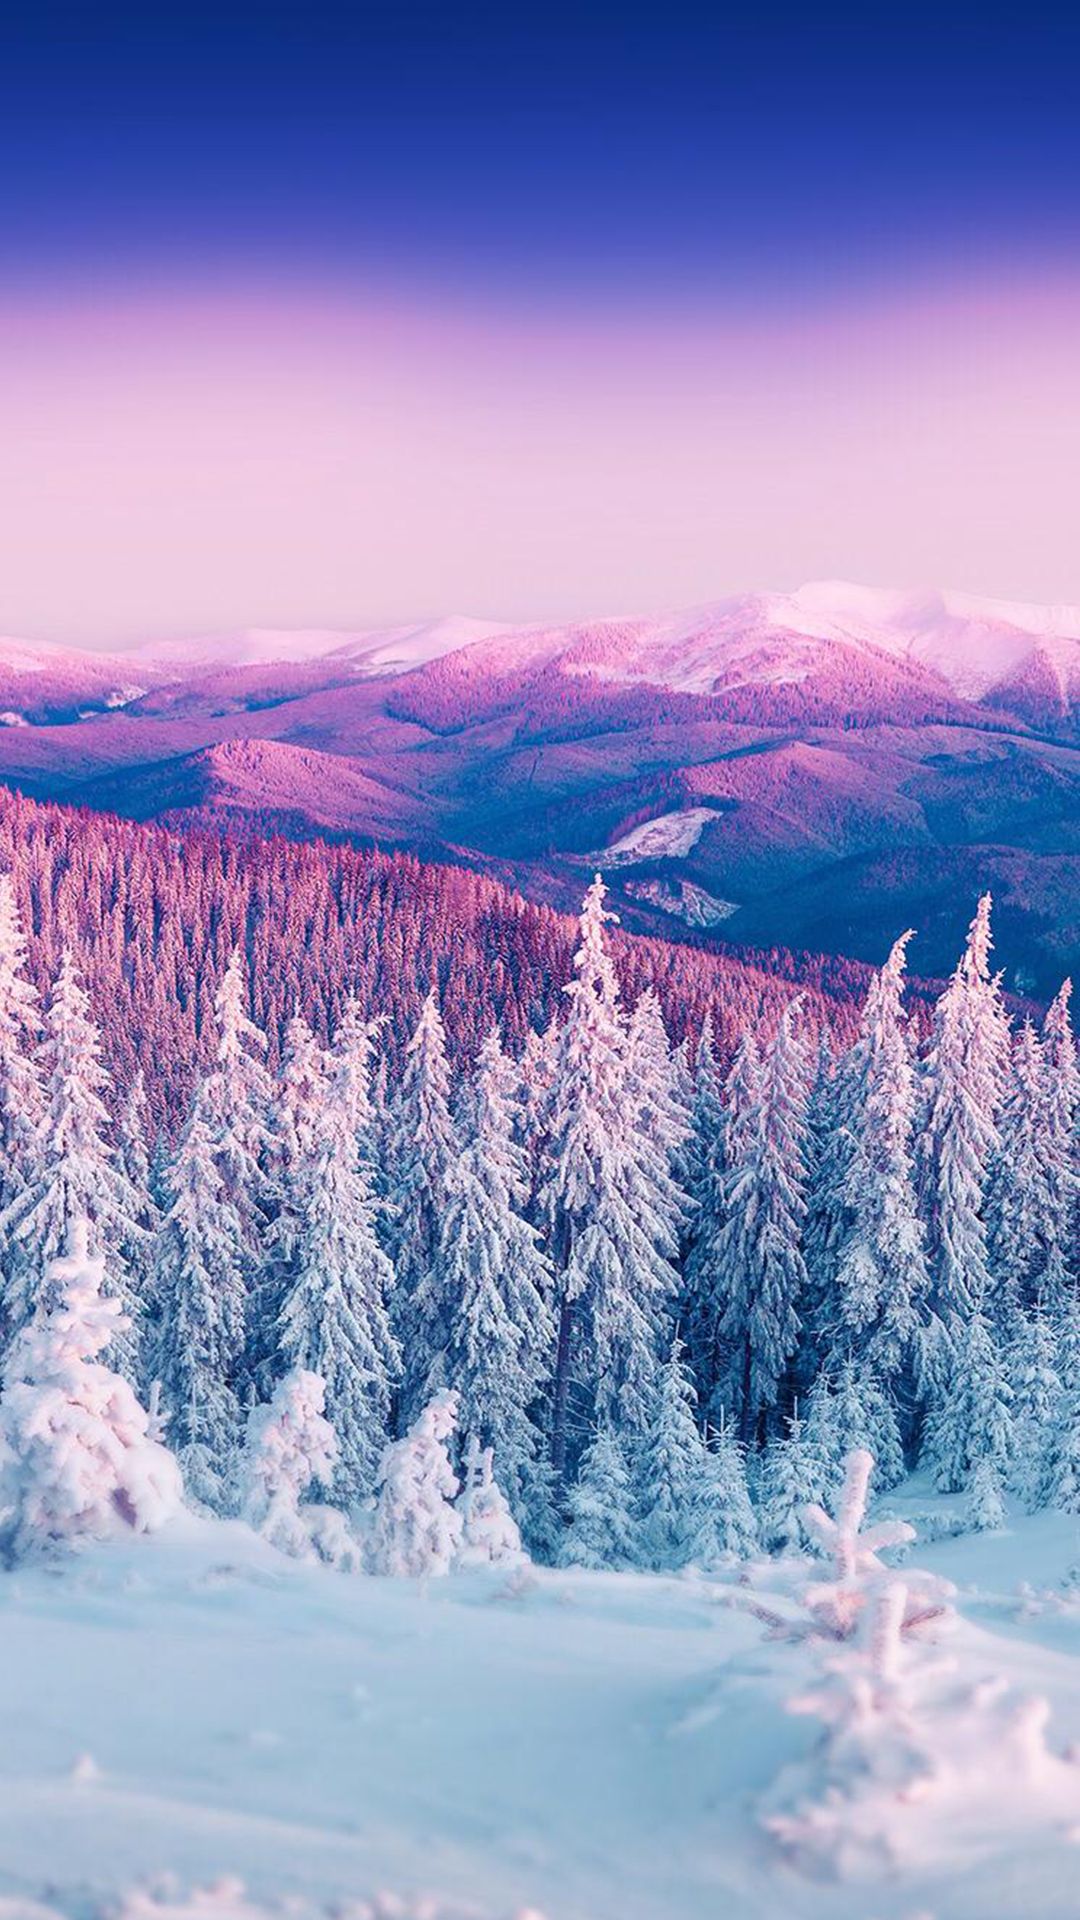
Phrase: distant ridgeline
x=153 y=916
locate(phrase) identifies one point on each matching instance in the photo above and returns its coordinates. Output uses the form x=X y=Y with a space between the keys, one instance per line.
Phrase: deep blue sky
x=549 y=153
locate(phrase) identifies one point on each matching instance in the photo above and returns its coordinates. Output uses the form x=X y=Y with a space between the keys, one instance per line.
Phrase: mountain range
x=815 y=769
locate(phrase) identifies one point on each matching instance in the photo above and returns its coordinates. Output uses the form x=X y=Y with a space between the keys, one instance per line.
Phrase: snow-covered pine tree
x=133 y=1136
x=1036 y=1387
x=822 y=1432
x=334 y=1318
x=538 y=1066
x=715 y=1114
x=291 y=1448
x=483 y=1315
x=416 y=1529
x=860 y=1413
x=654 y=1069
x=200 y=1290
x=971 y=1425
x=723 y=1525
x=1062 y=1460
x=671 y=1467
x=237 y=1102
x=21 y=1099
x=352 y=1052
x=297 y=1098
x=704 y=1145
x=965 y=1080
x=1025 y=1230
x=78 y=1460
x=602 y=1533
x=1061 y=1121
x=756 y=1249
x=881 y=1274
x=21 y=1106
x=422 y=1149
x=831 y=1109
x=489 y=1532
x=76 y=1170
x=133 y=1147
x=609 y=1203
x=793 y=1477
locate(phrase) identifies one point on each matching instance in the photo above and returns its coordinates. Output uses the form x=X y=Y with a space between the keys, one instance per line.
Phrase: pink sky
x=174 y=466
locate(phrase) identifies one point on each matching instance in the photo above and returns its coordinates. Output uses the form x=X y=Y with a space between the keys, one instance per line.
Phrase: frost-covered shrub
x=416 y=1529
x=913 y=1750
x=79 y=1459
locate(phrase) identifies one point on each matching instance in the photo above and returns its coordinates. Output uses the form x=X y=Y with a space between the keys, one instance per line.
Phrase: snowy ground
x=597 y=1747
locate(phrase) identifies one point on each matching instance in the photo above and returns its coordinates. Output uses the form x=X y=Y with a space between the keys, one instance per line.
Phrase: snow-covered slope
x=587 y=1746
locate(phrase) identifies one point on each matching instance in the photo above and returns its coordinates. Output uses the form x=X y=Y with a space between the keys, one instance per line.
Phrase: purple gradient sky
x=174 y=465
x=355 y=314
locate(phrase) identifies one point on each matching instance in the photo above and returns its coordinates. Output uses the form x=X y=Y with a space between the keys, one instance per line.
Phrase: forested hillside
x=154 y=916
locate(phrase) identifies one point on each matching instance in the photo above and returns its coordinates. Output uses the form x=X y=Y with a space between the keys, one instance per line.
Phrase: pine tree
x=353 y=1053
x=334 y=1317
x=199 y=1283
x=237 y=1101
x=972 y=1424
x=722 y=1524
x=297 y=1099
x=602 y=1534
x=21 y=1107
x=1029 y=1201
x=793 y=1477
x=78 y=1459
x=132 y=1138
x=609 y=1202
x=881 y=1276
x=672 y=1465
x=489 y=1532
x=1061 y=1121
x=1037 y=1394
x=719 y=1109
x=76 y=1169
x=21 y=1098
x=653 y=1069
x=483 y=1315
x=704 y=1145
x=416 y=1529
x=291 y=1448
x=422 y=1150
x=864 y=1416
x=831 y=1119
x=965 y=1074
x=1062 y=1464
x=757 y=1246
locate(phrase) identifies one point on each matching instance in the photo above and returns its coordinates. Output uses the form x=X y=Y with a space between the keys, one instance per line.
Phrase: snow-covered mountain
x=980 y=649
x=367 y=649
x=817 y=768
